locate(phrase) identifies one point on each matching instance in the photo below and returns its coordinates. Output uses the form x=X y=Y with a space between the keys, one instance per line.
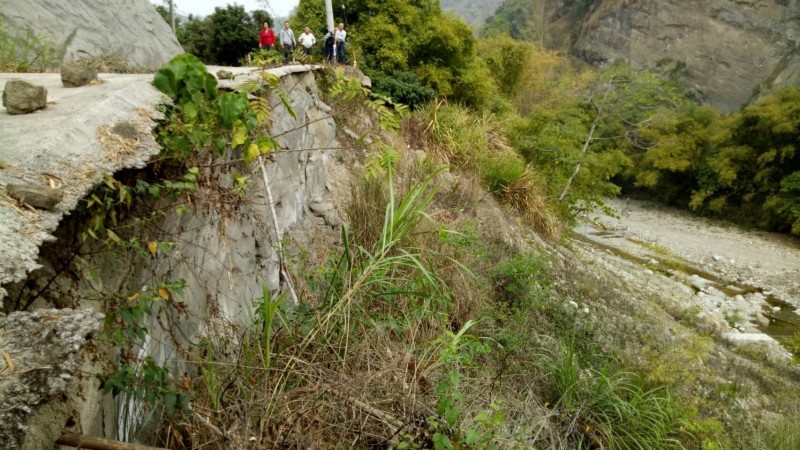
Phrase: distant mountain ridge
x=725 y=51
x=474 y=12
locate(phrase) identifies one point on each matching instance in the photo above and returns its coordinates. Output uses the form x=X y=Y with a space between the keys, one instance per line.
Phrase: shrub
x=477 y=144
x=499 y=173
x=517 y=279
x=404 y=87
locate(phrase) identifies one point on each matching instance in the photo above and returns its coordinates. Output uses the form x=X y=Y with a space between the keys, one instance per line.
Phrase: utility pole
x=172 y=15
x=329 y=13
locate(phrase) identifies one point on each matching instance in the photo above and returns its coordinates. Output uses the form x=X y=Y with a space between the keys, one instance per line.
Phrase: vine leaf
x=252 y=152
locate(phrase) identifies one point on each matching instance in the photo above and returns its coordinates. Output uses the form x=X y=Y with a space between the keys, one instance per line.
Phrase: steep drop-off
x=222 y=249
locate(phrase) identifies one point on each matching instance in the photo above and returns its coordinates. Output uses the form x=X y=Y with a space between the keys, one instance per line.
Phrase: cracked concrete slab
x=61 y=146
x=70 y=145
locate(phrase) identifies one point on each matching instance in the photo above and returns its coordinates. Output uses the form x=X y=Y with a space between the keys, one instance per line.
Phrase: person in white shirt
x=341 y=36
x=287 y=42
x=307 y=40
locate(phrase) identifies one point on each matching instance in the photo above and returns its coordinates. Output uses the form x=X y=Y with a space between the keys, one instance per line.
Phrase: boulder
x=21 y=97
x=77 y=75
x=332 y=219
x=320 y=208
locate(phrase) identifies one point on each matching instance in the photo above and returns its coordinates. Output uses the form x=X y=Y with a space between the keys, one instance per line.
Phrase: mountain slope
x=474 y=12
x=725 y=51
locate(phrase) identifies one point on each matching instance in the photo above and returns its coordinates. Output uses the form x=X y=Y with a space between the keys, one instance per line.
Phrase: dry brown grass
x=113 y=64
x=333 y=394
x=528 y=196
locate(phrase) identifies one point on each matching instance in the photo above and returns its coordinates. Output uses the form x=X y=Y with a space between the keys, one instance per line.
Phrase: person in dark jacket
x=330 y=41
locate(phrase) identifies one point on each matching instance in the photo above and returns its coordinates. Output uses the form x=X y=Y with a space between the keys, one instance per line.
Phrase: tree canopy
x=414 y=37
x=225 y=37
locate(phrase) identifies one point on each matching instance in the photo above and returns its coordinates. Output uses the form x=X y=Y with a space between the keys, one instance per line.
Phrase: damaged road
x=68 y=146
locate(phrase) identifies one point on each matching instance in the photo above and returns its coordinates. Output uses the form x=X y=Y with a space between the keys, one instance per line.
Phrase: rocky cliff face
x=730 y=49
x=130 y=30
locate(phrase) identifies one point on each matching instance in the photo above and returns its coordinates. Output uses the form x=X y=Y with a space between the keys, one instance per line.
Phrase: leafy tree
x=583 y=138
x=755 y=174
x=411 y=36
x=233 y=34
x=312 y=14
x=405 y=87
x=225 y=37
x=516 y=18
x=677 y=144
x=195 y=37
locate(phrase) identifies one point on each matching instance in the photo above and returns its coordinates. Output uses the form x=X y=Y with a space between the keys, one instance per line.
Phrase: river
x=746 y=281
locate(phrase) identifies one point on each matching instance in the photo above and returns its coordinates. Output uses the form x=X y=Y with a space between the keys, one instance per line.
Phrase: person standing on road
x=330 y=41
x=287 y=42
x=307 y=40
x=266 y=38
x=341 y=36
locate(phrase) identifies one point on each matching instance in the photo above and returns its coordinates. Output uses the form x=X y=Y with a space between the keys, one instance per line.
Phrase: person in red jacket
x=266 y=39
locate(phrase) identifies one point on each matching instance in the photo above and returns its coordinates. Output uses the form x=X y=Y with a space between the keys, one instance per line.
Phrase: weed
x=734 y=318
x=779 y=434
x=792 y=343
x=25 y=51
x=449 y=429
x=611 y=409
x=520 y=278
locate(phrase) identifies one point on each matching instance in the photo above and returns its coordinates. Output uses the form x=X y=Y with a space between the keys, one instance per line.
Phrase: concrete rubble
x=40 y=357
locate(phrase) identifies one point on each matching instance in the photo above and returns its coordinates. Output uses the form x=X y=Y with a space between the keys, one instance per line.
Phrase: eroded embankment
x=219 y=252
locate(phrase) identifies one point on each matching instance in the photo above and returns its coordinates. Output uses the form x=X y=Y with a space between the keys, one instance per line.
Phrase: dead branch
x=95 y=443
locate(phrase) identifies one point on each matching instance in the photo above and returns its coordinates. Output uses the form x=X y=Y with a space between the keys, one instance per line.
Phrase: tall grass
x=781 y=434
x=611 y=409
x=350 y=365
x=476 y=143
x=25 y=51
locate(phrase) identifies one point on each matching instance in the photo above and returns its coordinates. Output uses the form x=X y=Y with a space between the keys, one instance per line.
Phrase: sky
x=280 y=8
